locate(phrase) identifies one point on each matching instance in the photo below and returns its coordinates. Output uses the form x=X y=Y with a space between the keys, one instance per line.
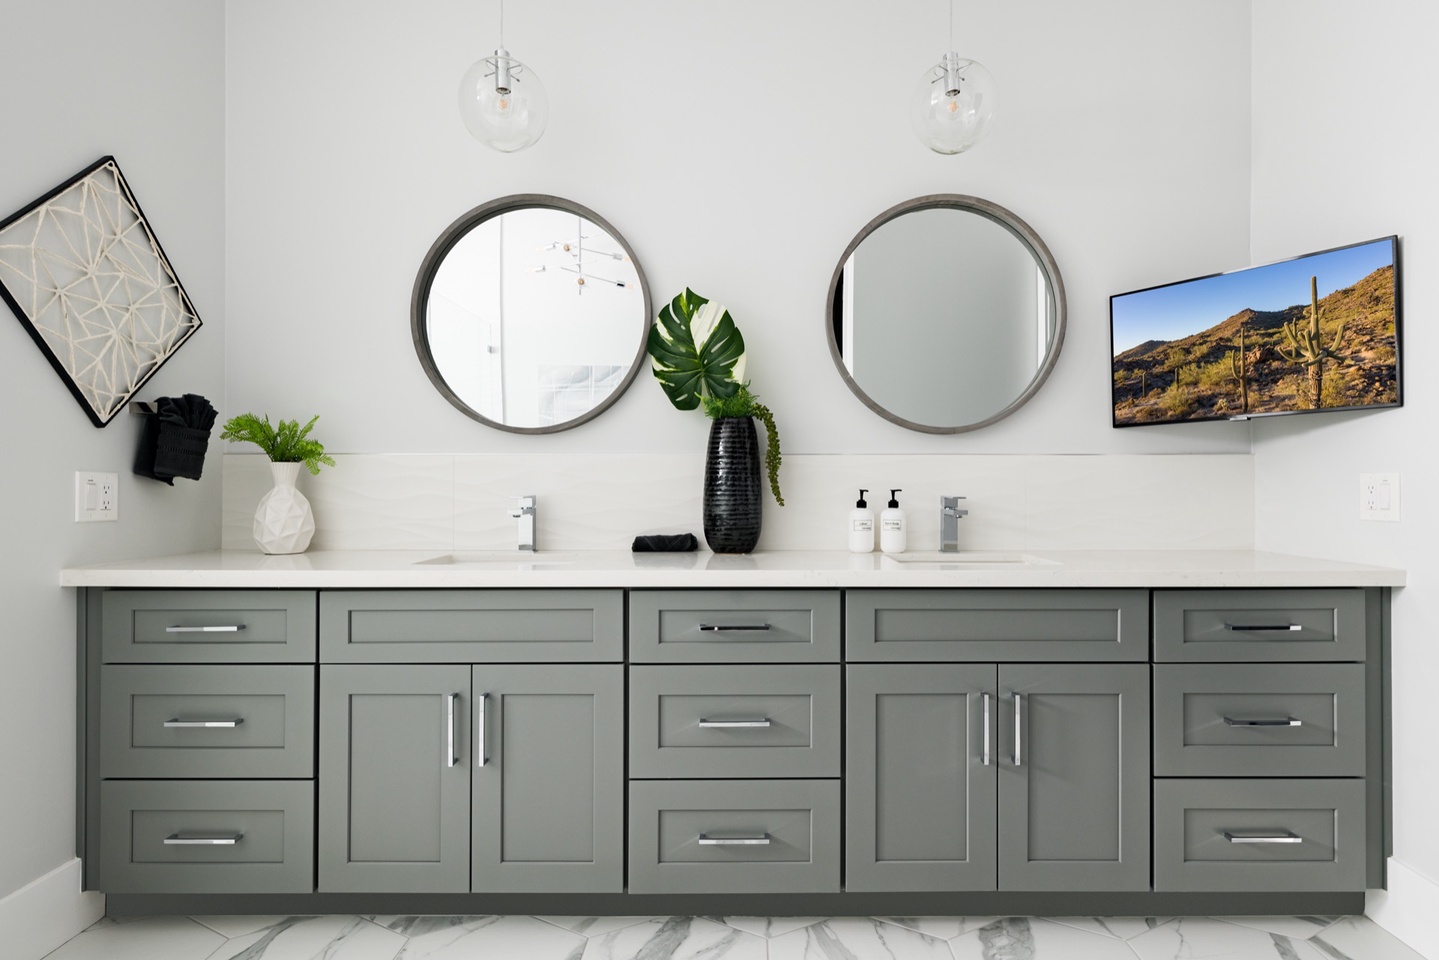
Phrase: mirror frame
x=430 y=265
x=990 y=211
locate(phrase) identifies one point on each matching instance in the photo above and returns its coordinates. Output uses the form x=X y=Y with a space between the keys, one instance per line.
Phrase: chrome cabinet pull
x=451 y=757
x=180 y=840
x=1018 y=728
x=729 y=724
x=231 y=628
x=1263 y=627
x=482 y=702
x=1285 y=837
x=762 y=840
x=187 y=724
x=717 y=627
x=984 y=750
x=1286 y=722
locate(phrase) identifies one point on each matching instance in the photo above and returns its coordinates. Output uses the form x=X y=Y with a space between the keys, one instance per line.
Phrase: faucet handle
x=950 y=505
x=526 y=502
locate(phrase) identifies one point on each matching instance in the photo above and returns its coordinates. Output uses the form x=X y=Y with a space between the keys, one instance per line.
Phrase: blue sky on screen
x=1180 y=309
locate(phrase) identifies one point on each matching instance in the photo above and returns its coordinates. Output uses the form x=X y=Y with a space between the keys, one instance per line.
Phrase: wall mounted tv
x=1246 y=344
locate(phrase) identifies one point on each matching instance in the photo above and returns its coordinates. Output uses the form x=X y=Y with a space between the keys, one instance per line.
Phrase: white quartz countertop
x=615 y=568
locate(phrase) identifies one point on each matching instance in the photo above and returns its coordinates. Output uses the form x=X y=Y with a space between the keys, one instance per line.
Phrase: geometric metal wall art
x=84 y=273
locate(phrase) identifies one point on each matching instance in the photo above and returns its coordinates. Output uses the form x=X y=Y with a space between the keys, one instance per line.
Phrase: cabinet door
x=548 y=778
x=394 y=778
x=920 y=794
x=1074 y=777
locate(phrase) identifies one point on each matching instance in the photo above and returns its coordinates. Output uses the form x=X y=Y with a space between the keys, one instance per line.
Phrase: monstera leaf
x=696 y=350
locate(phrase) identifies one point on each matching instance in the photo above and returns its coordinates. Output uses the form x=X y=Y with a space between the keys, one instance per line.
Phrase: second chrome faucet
x=525 y=513
x=949 y=514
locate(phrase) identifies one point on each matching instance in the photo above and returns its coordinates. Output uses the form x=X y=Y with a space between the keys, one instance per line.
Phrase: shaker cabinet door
x=394 y=812
x=920 y=778
x=1074 y=777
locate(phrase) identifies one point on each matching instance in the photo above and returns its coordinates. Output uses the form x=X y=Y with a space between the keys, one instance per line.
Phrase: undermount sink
x=936 y=558
x=500 y=559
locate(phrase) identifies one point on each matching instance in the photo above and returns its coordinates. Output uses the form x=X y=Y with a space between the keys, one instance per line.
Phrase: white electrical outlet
x=1379 y=497
x=97 y=496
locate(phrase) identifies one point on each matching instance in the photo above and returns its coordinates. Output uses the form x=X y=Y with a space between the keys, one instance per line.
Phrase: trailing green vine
x=745 y=404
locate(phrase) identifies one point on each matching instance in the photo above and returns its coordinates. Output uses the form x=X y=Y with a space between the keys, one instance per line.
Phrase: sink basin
x=936 y=558
x=500 y=560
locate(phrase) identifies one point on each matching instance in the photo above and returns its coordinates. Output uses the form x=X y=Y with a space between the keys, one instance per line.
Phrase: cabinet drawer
x=734 y=626
x=1265 y=719
x=1259 y=835
x=206 y=836
x=207 y=626
x=734 y=836
x=471 y=626
x=207 y=721
x=1220 y=625
x=735 y=721
x=1055 y=625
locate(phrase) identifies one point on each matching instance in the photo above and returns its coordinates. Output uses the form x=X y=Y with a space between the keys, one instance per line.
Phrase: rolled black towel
x=666 y=543
x=175 y=439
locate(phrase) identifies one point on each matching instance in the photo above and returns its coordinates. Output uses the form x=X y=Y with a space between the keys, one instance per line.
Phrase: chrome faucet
x=949 y=514
x=525 y=513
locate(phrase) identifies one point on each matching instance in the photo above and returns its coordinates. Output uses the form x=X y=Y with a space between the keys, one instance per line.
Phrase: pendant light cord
x=502 y=23
x=951 y=22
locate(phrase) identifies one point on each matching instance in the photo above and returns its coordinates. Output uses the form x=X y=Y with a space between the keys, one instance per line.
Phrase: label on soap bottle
x=893 y=523
x=864 y=525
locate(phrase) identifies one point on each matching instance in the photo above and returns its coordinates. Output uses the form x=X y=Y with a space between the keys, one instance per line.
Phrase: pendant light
x=954 y=103
x=502 y=101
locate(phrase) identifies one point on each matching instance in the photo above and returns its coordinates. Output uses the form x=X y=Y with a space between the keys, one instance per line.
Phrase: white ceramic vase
x=284 y=522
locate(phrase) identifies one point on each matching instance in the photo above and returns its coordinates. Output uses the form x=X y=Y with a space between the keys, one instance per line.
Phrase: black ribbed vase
x=733 y=495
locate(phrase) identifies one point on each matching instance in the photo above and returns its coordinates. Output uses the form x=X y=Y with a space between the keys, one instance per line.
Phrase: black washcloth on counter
x=666 y=543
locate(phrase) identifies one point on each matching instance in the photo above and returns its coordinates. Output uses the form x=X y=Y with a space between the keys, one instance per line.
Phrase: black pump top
x=861 y=504
x=894 y=503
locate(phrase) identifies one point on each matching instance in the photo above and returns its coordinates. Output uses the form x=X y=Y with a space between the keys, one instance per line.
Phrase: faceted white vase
x=283 y=521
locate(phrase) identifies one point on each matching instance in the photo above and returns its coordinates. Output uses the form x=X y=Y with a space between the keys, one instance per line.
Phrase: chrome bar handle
x=176 y=840
x=1286 y=722
x=450 y=755
x=189 y=724
x=730 y=724
x=482 y=702
x=1018 y=730
x=984 y=750
x=717 y=627
x=1285 y=837
x=763 y=840
x=229 y=628
x=1263 y=627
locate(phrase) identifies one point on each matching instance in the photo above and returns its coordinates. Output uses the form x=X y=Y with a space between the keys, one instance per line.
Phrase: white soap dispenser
x=861 y=527
x=892 y=536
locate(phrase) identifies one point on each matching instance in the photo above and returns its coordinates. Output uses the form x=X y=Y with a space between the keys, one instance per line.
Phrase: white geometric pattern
x=83 y=270
x=284 y=522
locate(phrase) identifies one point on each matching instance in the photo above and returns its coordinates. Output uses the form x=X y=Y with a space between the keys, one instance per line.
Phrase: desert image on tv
x=1276 y=341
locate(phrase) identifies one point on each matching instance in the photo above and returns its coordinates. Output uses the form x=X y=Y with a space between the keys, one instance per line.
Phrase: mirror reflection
x=530 y=314
x=946 y=314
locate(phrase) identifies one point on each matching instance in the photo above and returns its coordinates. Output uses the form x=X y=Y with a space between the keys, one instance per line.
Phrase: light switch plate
x=1379 y=497
x=97 y=496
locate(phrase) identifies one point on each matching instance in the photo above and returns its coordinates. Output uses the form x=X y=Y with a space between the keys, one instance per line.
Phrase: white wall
x=1344 y=147
x=738 y=146
x=142 y=80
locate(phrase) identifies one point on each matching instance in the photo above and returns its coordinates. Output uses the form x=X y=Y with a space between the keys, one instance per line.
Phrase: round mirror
x=530 y=314
x=945 y=314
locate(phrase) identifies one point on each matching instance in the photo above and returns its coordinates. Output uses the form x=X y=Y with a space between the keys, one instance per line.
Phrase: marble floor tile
x=469 y=938
x=857 y=938
x=676 y=938
x=1217 y=940
x=768 y=927
x=594 y=926
x=231 y=927
x=1027 y=938
x=336 y=937
x=1297 y=928
x=1122 y=928
x=1359 y=938
x=945 y=928
x=150 y=938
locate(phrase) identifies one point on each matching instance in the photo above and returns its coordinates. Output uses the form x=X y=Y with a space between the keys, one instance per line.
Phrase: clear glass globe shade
x=503 y=103
x=953 y=105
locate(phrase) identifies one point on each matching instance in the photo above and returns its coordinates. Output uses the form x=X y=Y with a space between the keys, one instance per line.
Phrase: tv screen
x=1249 y=344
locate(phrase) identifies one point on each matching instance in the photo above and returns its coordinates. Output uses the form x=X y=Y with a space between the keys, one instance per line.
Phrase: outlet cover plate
x=1379 y=497
x=97 y=496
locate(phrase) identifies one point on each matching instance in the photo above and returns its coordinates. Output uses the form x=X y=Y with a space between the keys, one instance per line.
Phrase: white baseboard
x=44 y=913
x=1407 y=909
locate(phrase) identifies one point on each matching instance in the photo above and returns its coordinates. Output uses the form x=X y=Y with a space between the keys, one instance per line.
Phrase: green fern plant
x=286 y=442
x=742 y=403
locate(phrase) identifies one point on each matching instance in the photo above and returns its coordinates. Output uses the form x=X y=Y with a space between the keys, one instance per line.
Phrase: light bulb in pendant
x=503 y=103
x=953 y=105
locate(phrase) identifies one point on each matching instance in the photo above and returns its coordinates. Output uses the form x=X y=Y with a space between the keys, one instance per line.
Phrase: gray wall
x=143 y=80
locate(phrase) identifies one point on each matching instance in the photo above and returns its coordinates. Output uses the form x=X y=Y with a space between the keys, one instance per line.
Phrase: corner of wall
x=45 y=913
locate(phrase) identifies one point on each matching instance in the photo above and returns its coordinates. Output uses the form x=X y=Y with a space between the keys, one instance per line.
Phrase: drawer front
x=207 y=836
x=207 y=626
x=1246 y=625
x=734 y=626
x=734 y=836
x=471 y=626
x=735 y=721
x=1263 y=719
x=207 y=721
x=1258 y=835
x=1055 y=625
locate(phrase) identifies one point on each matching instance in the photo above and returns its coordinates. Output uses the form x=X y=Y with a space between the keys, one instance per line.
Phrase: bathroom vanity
x=1113 y=732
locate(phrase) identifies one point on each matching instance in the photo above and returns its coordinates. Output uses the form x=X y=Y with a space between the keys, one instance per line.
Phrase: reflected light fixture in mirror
x=502 y=101
x=954 y=103
x=530 y=313
x=945 y=314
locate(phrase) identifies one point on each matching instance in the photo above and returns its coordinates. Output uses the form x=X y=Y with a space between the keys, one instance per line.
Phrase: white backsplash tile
x=600 y=502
